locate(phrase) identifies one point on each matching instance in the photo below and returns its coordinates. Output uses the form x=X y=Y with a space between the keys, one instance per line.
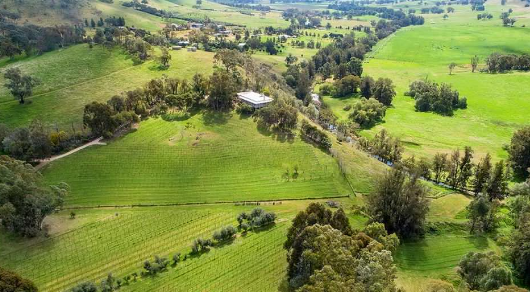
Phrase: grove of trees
x=440 y=99
x=24 y=201
x=324 y=253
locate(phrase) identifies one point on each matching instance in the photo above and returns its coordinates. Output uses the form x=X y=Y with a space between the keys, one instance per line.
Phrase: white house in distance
x=254 y=99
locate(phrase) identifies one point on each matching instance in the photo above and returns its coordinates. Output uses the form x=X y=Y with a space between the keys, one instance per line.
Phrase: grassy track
x=208 y=158
x=78 y=75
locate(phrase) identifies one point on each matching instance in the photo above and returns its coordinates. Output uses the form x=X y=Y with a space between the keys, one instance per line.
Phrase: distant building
x=254 y=99
x=176 y=48
x=183 y=43
x=195 y=25
x=192 y=49
x=315 y=98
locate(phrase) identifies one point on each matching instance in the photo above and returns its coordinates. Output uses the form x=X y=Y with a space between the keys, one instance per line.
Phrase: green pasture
x=77 y=75
x=207 y=158
x=437 y=256
x=498 y=104
x=132 y=17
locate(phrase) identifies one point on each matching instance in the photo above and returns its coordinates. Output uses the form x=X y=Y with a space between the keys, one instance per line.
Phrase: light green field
x=437 y=256
x=497 y=104
x=132 y=17
x=75 y=76
x=208 y=158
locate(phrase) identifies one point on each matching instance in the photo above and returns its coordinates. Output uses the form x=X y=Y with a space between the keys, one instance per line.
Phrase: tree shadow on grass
x=197 y=255
x=180 y=116
x=224 y=243
x=211 y=117
x=276 y=135
x=263 y=228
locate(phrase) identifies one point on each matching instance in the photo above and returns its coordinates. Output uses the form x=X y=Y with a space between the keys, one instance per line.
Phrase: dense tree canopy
x=519 y=151
x=400 y=203
x=484 y=271
x=324 y=253
x=367 y=112
x=24 y=202
x=440 y=99
x=11 y=282
x=280 y=114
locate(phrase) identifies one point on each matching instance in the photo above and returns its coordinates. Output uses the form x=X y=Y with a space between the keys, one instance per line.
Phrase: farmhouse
x=254 y=99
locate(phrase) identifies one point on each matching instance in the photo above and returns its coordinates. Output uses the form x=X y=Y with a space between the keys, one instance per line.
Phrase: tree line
x=31 y=39
x=500 y=63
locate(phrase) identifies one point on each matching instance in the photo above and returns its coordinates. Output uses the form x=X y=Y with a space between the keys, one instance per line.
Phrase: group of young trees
x=33 y=142
x=383 y=146
x=24 y=201
x=257 y=218
x=156 y=97
x=111 y=21
x=440 y=99
x=324 y=253
x=393 y=19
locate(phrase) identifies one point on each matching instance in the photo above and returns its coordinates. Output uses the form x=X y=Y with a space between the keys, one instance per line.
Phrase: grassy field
x=75 y=76
x=118 y=241
x=48 y=13
x=437 y=256
x=497 y=103
x=207 y=158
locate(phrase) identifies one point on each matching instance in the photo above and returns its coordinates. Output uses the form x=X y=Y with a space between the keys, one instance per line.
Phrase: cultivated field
x=207 y=158
x=118 y=241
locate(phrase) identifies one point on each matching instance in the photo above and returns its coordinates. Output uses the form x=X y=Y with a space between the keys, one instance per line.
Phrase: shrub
x=326 y=89
x=255 y=219
x=367 y=113
x=224 y=234
x=200 y=245
x=244 y=108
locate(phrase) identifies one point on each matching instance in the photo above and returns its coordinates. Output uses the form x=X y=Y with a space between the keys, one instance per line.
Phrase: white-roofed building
x=254 y=99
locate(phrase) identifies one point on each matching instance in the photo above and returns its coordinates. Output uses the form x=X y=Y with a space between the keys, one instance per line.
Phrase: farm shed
x=254 y=99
